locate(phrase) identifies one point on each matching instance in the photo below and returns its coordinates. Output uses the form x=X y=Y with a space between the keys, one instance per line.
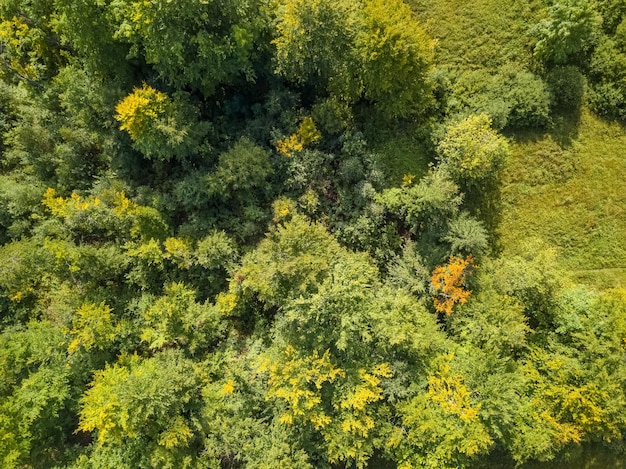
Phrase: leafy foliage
x=192 y=43
x=512 y=98
x=241 y=234
x=567 y=32
x=396 y=54
x=244 y=167
x=160 y=127
x=606 y=73
x=176 y=320
x=458 y=435
x=319 y=42
x=143 y=400
x=307 y=133
x=448 y=282
x=471 y=151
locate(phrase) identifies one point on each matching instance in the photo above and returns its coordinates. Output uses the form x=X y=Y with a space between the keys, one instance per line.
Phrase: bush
x=471 y=151
x=159 y=126
x=241 y=169
x=528 y=98
x=568 y=32
x=513 y=99
x=476 y=92
x=607 y=94
x=566 y=86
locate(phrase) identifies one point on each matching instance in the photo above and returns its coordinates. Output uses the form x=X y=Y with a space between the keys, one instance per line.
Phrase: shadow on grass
x=564 y=130
x=485 y=203
x=554 y=165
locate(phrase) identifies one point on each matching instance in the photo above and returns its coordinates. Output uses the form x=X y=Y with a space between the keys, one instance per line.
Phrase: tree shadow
x=485 y=203
x=564 y=129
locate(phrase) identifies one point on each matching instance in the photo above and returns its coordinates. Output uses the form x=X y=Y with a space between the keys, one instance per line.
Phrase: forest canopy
x=269 y=234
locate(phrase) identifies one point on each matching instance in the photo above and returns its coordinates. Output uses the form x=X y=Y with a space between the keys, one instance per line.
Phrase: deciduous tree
x=471 y=151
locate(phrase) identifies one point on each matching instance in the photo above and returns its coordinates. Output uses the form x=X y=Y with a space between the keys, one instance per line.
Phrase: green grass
x=571 y=196
x=479 y=33
x=468 y=35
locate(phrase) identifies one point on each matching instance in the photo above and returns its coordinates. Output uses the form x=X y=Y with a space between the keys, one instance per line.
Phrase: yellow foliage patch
x=450 y=393
x=228 y=388
x=407 y=180
x=139 y=109
x=448 y=281
x=13 y=31
x=298 y=382
x=92 y=325
x=67 y=207
x=289 y=145
x=180 y=251
x=226 y=303
x=177 y=435
x=306 y=135
x=21 y=45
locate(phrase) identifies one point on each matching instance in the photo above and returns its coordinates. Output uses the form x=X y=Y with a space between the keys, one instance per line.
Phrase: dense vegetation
x=311 y=233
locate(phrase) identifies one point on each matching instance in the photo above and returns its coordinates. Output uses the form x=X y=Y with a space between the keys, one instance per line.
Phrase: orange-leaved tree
x=448 y=281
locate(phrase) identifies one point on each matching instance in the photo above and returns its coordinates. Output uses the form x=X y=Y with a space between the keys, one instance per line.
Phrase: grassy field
x=573 y=196
x=480 y=33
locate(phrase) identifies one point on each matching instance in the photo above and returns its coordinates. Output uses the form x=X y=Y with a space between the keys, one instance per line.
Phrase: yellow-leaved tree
x=448 y=281
x=159 y=126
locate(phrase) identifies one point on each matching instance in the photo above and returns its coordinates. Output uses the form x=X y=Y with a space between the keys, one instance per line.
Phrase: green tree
x=292 y=260
x=63 y=132
x=18 y=198
x=472 y=152
x=466 y=235
x=145 y=409
x=607 y=90
x=314 y=45
x=192 y=42
x=31 y=50
x=318 y=44
x=88 y=27
x=241 y=169
x=421 y=206
x=443 y=427
x=177 y=320
x=35 y=395
x=160 y=127
x=569 y=30
x=395 y=55
x=336 y=329
x=613 y=13
x=513 y=98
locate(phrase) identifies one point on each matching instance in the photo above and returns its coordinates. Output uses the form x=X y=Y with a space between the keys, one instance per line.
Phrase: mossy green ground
x=565 y=188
